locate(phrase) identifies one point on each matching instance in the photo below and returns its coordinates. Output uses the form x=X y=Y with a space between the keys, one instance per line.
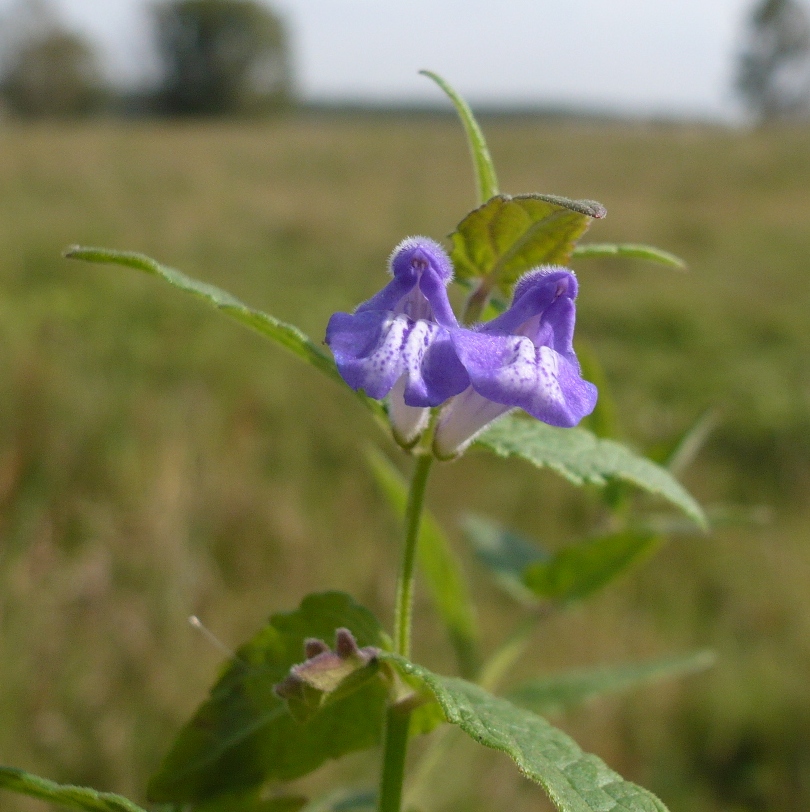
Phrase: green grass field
x=158 y=461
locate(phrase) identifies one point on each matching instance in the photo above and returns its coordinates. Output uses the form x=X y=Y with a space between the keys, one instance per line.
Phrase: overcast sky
x=644 y=56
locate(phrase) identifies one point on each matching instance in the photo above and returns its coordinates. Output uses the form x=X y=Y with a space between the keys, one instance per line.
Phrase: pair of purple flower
x=406 y=343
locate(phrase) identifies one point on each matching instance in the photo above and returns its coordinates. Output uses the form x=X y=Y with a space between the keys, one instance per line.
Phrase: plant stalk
x=477 y=303
x=413 y=515
x=395 y=746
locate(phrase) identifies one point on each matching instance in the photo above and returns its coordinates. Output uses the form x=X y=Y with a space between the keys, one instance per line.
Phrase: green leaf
x=576 y=572
x=71 y=797
x=507 y=236
x=581 y=458
x=504 y=553
x=630 y=250
x=560 y=692
x=286 y=335
x=528 y=573
x=252 y=802
x=442 y=571
x=689 y=445
x=603 y=421
x=344 y=801
x=485 y=181
x=244 y=735
x=575 y=781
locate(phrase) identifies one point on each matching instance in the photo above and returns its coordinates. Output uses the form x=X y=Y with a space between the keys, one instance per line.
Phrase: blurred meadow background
x=158 y=461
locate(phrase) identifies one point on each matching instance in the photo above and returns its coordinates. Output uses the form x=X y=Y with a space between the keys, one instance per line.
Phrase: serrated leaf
x=575 y=781
x=629 y=250
x=504 y=553
x=559 y=692
x=507 y=236
x=576 y=572
x=286 y=335
x=486 y=183
x=442 y=571
x=66 y=795
x=244 y=735
x=582 y=458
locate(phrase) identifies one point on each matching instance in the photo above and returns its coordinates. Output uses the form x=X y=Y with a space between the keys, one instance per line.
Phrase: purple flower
x=398 y=342
x=405 y=343
x=524 y=358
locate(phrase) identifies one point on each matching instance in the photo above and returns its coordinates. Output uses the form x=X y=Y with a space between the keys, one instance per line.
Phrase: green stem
x=398 y=718
x=477 y=302
x=396 y=748
x=413 y=515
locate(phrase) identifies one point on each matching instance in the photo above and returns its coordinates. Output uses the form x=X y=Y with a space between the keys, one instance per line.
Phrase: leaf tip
x=595 y=209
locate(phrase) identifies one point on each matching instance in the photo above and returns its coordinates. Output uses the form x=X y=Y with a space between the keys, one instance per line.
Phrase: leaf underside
x=582 y=458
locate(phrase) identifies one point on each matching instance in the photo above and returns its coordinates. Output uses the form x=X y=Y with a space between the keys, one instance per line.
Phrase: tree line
x=231 y=57
x=215 y=58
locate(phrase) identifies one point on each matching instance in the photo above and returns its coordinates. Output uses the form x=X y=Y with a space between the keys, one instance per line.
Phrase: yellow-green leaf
x=507 y=236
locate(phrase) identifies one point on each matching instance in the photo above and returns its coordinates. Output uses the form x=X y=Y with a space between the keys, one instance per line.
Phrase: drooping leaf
x=286 y=335
x=578 y=571
x=65 y=795
x=507 y=236
x=559 y=692
x=574 y=781
x=630 y=250
x=444 y=577
x=504 y=553
x=244 y=735
x=486 y=182
x=582 y=458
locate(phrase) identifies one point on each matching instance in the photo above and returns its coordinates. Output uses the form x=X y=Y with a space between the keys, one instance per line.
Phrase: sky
x=647 y=57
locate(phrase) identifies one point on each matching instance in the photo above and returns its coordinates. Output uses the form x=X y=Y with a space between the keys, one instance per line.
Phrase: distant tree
x=774 y=67
x=221 y=57
x=46 y=70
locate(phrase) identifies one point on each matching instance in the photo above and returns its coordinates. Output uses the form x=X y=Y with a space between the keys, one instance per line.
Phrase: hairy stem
x=413 y=515
x=395 y=746
x=395 y=750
